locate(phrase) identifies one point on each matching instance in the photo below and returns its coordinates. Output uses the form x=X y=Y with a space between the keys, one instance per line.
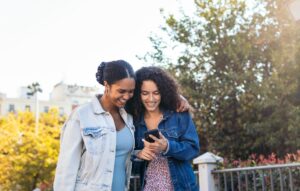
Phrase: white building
x=64 y=97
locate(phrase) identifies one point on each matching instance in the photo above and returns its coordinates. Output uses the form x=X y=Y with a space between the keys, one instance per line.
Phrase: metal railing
x=283 y=177
x=279 y=177
x=134 y=183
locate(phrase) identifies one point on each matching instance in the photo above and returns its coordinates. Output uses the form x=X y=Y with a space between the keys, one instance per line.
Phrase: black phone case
x=153 y=132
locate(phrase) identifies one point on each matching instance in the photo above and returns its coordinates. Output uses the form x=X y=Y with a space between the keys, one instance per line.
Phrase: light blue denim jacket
x=183 y=146
x=87 y=150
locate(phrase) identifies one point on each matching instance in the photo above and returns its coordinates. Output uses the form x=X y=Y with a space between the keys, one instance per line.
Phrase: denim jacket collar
x=98 y=109
x=166 y=115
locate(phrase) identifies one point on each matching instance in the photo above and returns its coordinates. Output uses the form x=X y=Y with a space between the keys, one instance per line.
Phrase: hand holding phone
x=154 y=132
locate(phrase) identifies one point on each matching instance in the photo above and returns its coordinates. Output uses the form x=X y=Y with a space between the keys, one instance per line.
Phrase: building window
x=11 y=108
x=46 y=109
x=27 y=108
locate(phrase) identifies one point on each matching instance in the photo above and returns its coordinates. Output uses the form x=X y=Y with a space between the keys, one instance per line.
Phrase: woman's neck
x=153 y=114
x=152 y=119
x=107 y=105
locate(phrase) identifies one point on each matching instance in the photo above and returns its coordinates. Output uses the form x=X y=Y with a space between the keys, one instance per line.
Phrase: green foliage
x=238 y=64
x=27 y=159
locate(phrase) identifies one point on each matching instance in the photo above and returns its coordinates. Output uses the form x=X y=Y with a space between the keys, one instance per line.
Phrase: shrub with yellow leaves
x=28 y=159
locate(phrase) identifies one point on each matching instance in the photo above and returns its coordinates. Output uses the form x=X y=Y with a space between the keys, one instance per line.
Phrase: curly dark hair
x=167 y=86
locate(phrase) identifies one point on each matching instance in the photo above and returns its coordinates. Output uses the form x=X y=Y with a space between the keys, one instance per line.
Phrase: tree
x=233 y=66
x=27 y=159
x=34 y=88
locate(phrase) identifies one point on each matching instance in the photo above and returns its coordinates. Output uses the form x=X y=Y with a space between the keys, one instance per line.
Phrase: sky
x=49 y=41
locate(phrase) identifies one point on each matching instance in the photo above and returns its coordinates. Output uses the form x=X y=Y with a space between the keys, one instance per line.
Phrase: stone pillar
x=206 y=163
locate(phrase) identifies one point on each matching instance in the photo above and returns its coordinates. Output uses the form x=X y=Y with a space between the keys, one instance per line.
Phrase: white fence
x=283 y=177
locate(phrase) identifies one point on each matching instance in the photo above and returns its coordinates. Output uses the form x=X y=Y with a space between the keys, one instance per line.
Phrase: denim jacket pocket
x=94 y=132
x=172 y=133
x=94 y=139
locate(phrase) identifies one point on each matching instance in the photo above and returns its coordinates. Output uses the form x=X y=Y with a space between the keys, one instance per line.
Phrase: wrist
x=165 y=146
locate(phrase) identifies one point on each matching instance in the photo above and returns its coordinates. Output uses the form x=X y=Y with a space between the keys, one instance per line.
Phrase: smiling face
x=121 y=91
x=150 y=96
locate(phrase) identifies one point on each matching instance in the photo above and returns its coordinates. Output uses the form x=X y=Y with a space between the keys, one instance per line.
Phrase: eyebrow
x=149 y=91
x=125 y=89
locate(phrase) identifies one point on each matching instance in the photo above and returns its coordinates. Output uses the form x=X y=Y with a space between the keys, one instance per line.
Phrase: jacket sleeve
x=187 y=146
x=69 y=156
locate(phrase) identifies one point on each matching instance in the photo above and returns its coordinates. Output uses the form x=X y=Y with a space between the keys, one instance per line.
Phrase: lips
x=151 y=104
x=122 y=102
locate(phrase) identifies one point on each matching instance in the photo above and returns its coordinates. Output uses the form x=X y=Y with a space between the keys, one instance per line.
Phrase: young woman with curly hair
x=165 y=163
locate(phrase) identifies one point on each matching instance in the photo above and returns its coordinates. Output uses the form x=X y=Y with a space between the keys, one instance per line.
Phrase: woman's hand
x=150 y=150
x=184 y=105
x=160 y=145
x=146 y=153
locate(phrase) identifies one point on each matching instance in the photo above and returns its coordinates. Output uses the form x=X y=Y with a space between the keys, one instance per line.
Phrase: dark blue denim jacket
x=180 y=131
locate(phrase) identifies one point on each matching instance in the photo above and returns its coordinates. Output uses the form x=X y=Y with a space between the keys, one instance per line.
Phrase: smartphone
x=154 y=132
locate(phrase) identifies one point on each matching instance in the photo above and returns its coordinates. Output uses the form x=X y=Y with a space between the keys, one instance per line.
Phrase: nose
x=151 y=97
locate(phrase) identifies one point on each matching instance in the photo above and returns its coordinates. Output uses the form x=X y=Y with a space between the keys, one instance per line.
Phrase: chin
x=151 y=109
x=121 y=105
x=118 y=104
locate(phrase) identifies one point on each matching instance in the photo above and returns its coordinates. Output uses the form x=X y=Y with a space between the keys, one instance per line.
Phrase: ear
x=107 y=86
x=105 y=83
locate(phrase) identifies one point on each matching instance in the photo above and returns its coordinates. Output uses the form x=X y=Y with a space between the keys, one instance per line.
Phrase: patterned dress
x=158 y=175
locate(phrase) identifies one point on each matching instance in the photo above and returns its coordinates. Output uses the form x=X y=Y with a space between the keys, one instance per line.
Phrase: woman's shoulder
x=80 y=112
x=180 y=117
x=184 y=114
